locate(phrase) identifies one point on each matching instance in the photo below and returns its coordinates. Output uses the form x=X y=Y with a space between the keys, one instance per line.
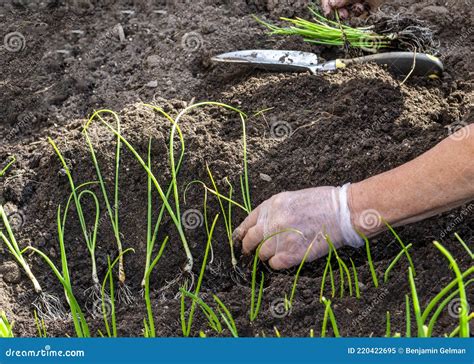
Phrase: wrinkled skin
x=348 y=8
x=310 y=214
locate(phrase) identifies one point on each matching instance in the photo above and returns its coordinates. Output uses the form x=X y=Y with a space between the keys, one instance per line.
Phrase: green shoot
x=289 y=302
x=40 y=326
x=89 y=239
x=7 y=167
x=277 y=333
x=211 y=316
x=15 y=250
x=112 y=209
x=311 y=333
x=463 y=315
x=408 y=316
x=6 y=328
x=226 y=214
x=441 y=306
x=110 y=299
x=186 y=324
x=405 y=249
x=151 y=323
x=371 y=263
x=80 y=325
x=323 y=281
x=256 y=303
x=443 y=293
x=356 y=279
x=394 y=262
x=469 y=251
x=328 y=313
x=226 y=316
x=458 y=329
x=416 y=304
x=342 y=268
x=388 y=331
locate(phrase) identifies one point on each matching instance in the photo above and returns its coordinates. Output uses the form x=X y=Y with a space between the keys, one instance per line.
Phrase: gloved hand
x=347 y=8
x=313 y=212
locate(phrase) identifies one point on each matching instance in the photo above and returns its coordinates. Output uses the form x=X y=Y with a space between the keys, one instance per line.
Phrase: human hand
x=347 y=8
x=306 y=217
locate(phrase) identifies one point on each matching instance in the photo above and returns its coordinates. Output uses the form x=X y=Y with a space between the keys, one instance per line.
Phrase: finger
x=251 y=240
x=268 y=249
x=249 y=222
x=284 y=261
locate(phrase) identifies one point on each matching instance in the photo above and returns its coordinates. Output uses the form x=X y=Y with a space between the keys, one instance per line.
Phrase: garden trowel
x=401 y=63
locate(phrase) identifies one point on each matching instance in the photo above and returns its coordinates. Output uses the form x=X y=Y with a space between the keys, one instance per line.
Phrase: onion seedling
x=441 y=306
x=371 y=263
x=15 y=250
x=40 y=326
x=47 y=304
x=6 y=328
x=458 y=329
x=211 y=316
x=255 y=303
x=277 y=332
x=469 y=251
x=328 y=313
x=89 y=238
x=405 y=250
x=342 y=268
x=186 y=323
x=327 y=32
x=463 y=315
x=80 y=324
x=416 y=304
x=7 y=167
x=227 y=215
x=150 y=326
x=443 y=293
x=112 y=209
x=289 y=301
x=408 y=316
x=331 y=276
x=107 y=302
x=388 y=330
x=356 y=279
x=395 y=261
x=226 y=316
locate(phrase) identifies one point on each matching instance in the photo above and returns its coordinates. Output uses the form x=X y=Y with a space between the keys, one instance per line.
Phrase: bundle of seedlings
x=385 y=32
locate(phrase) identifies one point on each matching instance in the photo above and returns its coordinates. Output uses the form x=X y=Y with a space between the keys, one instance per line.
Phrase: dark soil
x=344 y=127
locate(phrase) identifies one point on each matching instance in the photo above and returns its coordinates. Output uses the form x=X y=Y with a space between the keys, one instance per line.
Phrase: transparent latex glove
x=299 y=219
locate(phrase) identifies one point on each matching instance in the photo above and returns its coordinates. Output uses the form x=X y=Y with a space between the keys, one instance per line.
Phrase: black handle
x=402 y=63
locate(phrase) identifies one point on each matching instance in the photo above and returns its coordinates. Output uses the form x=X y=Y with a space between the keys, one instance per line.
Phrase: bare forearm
x=437 y=181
